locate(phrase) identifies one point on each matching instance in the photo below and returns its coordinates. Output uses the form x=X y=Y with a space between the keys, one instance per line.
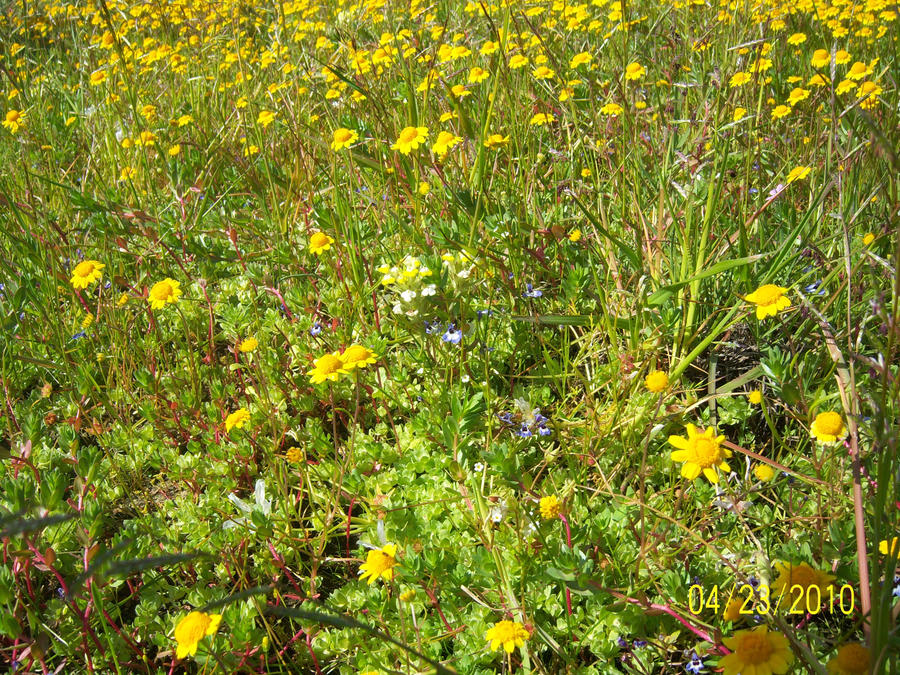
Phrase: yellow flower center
x=162 y=290
x=409 y=134
x=12 y=116
x=342 y=136
x=706 y=452
x=830 y=423
x=329 y=364
x=84 y=269
x=768 y=295
x=379 y=562
x=319 y=239
x=754 y=648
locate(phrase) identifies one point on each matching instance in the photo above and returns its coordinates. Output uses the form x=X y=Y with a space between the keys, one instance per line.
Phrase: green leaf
x=664 y=294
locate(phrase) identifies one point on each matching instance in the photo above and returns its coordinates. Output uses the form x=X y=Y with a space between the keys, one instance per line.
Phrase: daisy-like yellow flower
x=357 y=356
x=379 y=563
x=851 y=659
x=739 y=79
x=444 y=141
x=634 y=71
x=248 y=344
x=294 y=455
x=266 y=117
x=891 y=547
x=459 y=91
x=193 y=628
x=858 y=71
x=701 y=453
x=410 y=139
x=86 y=273
x=780 y=111
x=575 y=235
x=656 y=381
x=477 y=75
x=797 y=94
x=543 y=73
x=868 y=239
x=820 y=58
x=869 y=92
x=327 y=367
x=163 y=293
x=794 y=581
x=319 y=242
x=518 y=61
x=798 y=173
x=495 y=141
x=237 y=419
x=510 y=634
x=343 y=138
x=769 y=300
x=550 y=507
x=580 y=60
x=739 y=114
x=797 y=39
x=541 y=119
x=763 y=472
x=828 y=427
x=611 y=109
x=14 y=120
x=755 y=397
x=841 y=56
x=844 y=86
x=97 y=78
x=756 y=651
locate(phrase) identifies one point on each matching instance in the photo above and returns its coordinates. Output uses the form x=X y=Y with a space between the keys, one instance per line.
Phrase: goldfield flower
x=656 y=381
x=14 y=120
x=357 y=356
x=575 y=235
x=739 y=79
x=869 y=92
x=193 y=628
x=797 y=94
x=732 y=611
x=163 y=293
x=510 y=634
x=550 y=507
x=868 y=239
x=410 y=139
x=248 y=344
x=579 y=60
x=634 y=71
x=518 y=61
x=701 y=453
x=294 y=455
x=237 y=419
x=343 y=138
x=543 y=73
x=756 y=651
x=379 y=563
x=794 y=581
x=611 y=109
x=851 y=659
x=327 y=367
x=828 y=427
x=266 y=117
x=820 y=58
x=541 y=119
x=444 y=141
x=845 y=86
x=86 y=273
x=769 y=300
x=495 y=141
x=755 y=397
x=763 y=472
x=780 y=111
x=798 y=173
x=477 y=75
x=319 y=242
x=858 y=71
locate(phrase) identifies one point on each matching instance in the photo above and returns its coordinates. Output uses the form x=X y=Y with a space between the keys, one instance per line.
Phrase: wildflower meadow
x=374 y=337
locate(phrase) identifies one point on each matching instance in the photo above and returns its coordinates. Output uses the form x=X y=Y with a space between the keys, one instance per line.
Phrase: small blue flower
x=896 y=591
x=452 y=335
x=316 y=329
x=79 y=335
x=544 y=431
x=531 y=292
x=505 y=417
x=622 y=642
x=485 y=312
x=696 y=664
x=524 y=431
x=432 y=327
x=638 y=644
x=814 y=288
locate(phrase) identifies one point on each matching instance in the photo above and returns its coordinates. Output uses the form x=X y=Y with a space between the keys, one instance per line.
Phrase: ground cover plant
x=426 y=337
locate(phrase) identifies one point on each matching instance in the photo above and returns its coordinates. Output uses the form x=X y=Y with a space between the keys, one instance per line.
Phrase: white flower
x=398 y=309
x=465 y=378
x=429 y=290
x=408 y=295
x=464 y=274
x=479 y=467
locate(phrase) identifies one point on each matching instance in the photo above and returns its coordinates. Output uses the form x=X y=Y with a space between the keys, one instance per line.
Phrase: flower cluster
x=408 y=283
x=330 y=367
x=525 y=421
